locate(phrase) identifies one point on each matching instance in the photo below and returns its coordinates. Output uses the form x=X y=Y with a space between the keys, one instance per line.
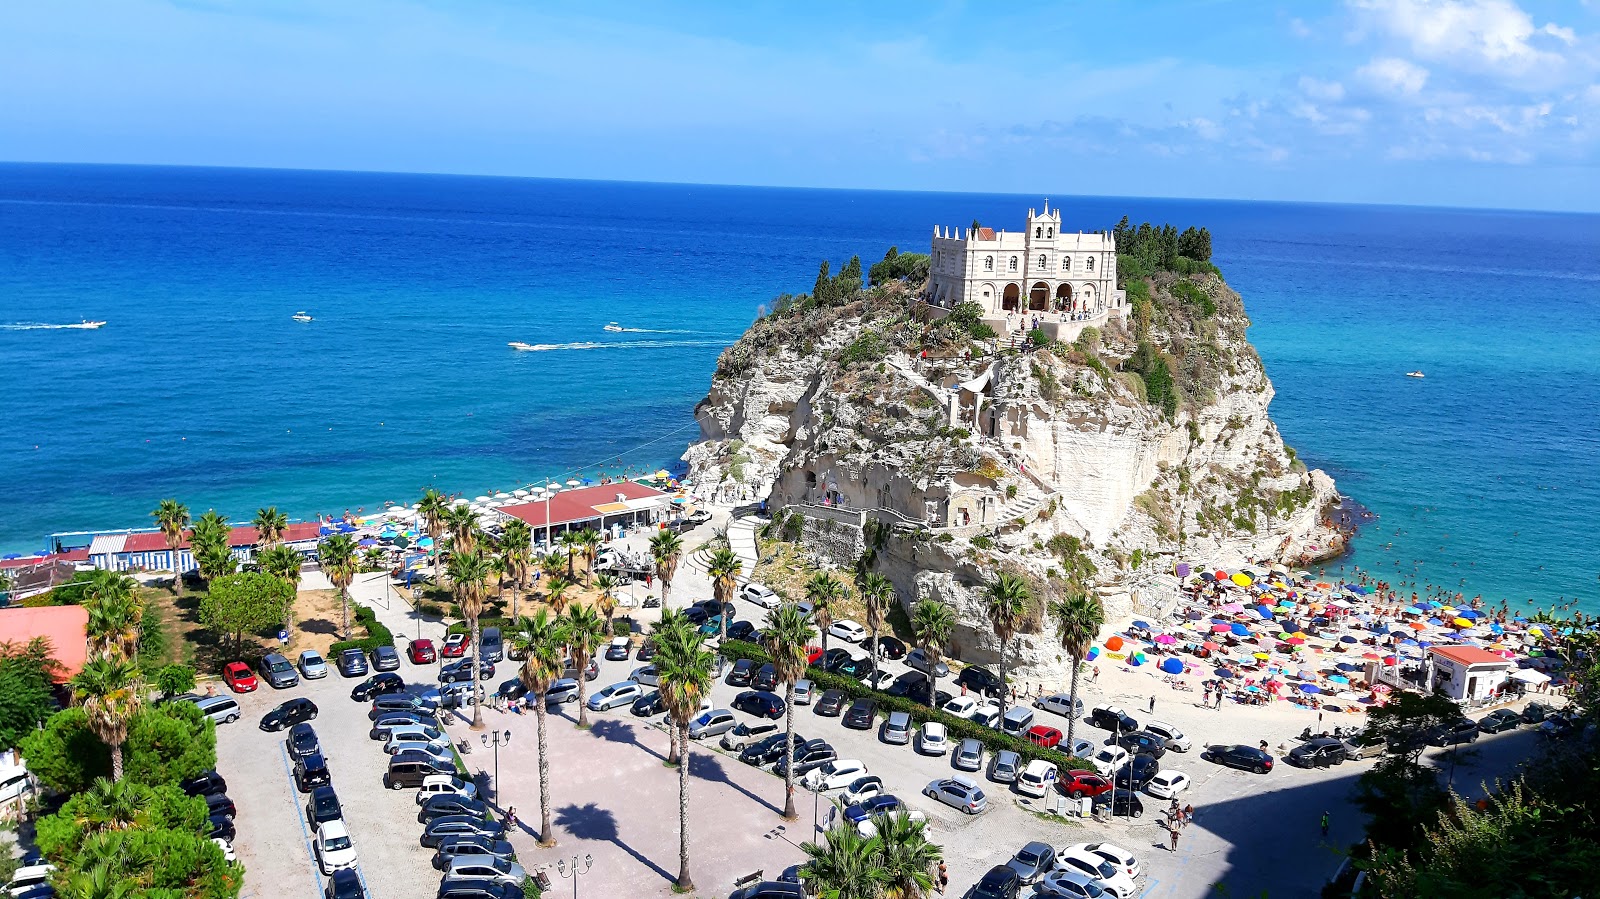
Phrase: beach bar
x=624 y=502
x=1466 y=674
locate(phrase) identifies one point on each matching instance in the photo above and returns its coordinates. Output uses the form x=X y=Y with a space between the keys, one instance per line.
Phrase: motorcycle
x=650 y=602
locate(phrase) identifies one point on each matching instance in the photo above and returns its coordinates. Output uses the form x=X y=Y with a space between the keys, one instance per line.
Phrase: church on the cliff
x=1040 y=271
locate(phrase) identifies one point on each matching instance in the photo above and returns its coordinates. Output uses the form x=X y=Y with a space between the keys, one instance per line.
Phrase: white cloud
x=1318 y=89
x=1299 y=28
x=1393 y=75
x=1492 y=35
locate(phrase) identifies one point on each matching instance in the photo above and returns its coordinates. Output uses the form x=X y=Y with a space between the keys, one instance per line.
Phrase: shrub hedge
x=378 y=634
x=959 y=728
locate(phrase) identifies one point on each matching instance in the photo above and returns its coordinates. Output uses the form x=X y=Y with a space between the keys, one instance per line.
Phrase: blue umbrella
x=1409 y=643
x=368 y=542
x=1225 y=673
x=1469 y=614
x=1144 y=625
x=1434 y=622
x=1348 y=639
x=1172 y=666
x=1264 y=612
x=1309 y=688
x=1240 y=630
x=1348 y=666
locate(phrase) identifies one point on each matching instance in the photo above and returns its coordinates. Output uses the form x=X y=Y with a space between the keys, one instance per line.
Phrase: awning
x=1530 y=676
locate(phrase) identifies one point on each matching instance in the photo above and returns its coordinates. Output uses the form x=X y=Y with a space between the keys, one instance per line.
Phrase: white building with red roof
x=600 y=506
x=148 y=550
x=1466 y=674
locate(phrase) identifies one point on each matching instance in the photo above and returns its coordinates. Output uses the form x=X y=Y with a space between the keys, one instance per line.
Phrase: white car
x=1177 y=741
x=623 y=693
x=869 y=827
x=1037 y=778
x=445 y=785
x=932 y=739
x=225 y=846
x=647 y=675
x=1060 y=704
x=845 y=629
x=334 y=849
x=987 y=715
x=861 y=789
x=31 y=877
x=835 y=775
x=802 y=692
x=1167 y=784
x=414 y=733
x=1112 y=853
x=961 y=706
x=14 y=782
x=1108 y=876
x=1108 y=759
x=760 y=595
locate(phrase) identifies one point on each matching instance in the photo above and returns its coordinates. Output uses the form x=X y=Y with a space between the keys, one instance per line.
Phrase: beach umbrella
x=1225 y=674
x=574 y=482
x=1264 y=612
x=1207 y=576
x=1136 y=659
x=1418 y=626
x=1183 y=569
x=1094 y=653
x=519 y=493
x=502 y=495
x=1233 y=607
x=1262 y=656
x=1309 y=688
x=1143 y=625
x=1172 y=666
x=1166 y=639
x=1371 y=656
x=1240 y=630
x=425 y=542
x=1220 y=628
x=1460 y=622
x=1338 y=679
x=1194 y=615
x=1348 y=666
x=1347 y=638
x=1241 y=579
x=1210 y=646
x=481 y=499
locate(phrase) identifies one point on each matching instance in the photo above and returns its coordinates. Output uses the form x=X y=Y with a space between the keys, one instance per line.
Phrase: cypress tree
x=823 y=291
x=849 y=280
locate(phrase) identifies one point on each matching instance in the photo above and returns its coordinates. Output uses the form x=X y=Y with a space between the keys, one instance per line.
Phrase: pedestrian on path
x=1152 y=704
x=1324 y=825
x=1173 y=830
x=944 y=878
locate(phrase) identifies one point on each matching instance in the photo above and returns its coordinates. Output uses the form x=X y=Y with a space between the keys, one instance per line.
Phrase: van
x=897 y=728
x=1017 y=720
x=491 y=644
x=408 y=770
x=221 y=709
x=276 y=670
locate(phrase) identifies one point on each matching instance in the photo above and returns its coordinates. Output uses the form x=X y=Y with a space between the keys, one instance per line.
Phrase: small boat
x=301 y=317
x=519 y=345
x=87 y=325
x=1415 y=374
x=613 y=326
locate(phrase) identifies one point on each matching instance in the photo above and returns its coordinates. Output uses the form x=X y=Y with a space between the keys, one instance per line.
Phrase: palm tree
x=114 y=805
x=724 y=570
x=666 y=548
x=516 y=551
x=270 y=525
x=585 y=630
x=932 y=623
x=671 y=627
x=553 y=565
x=555 y=592
x=373 y=559
x=907 y=856
x=606 y=603
x=822 y=589
x=877 y=593
x=1006 y=598
x=108 y=689
x=462 y=524
x=540 y=640
x=845 y=865
x=787 y=634
x=684 y=667
x=469 y=572
x=588 y=541
x=209 y=544
x=337 y=553
x=433 y=509
x=173 y=519
x=115 y=614
x=101 y=881
x=1079 y=618
x=571 y=544
x=282 y=562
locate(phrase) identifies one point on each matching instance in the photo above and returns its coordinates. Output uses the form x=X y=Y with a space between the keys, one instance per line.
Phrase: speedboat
x=87 y=325
x=519 y=345
x=613 y=326
x=301 y=317
x=1415 y=374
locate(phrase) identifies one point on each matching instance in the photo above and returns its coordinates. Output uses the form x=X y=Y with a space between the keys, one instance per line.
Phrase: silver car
x=312 y=665
x=711 y=724
x=482 y=867
x=1005 y=766
x=802 y=692
x=968 y=755
x=561 y=691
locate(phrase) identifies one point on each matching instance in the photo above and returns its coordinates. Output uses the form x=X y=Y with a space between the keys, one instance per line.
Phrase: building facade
x=1041 y=269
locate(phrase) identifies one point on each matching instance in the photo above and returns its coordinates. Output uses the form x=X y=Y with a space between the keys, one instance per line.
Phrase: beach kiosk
x=1467 y=674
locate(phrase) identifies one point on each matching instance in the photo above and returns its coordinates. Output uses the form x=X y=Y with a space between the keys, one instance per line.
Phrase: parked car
x=917 y=660
x=440 y=784
x=852 y=667
x=1063 y=884
x=288 y=714
x=1109 y=759
x=1143 y=741
x=312 y=665
x=322 y=806
x=1036 y=778
x=1044 y=735
x=1317 y=752
x=352 y=663
x=1462 y=730
x=814 y=754
x=1125 y=861
x=422 y=652
x=619 y=649
x=220 y=804
x=831 y=703
x=221 y=709
x=334 y=849
x=302 y=741
x=311 y=771
x=1064 y=704
x=491 y=645
x=961 y=706
x=847 y=630
x=981 y=681
x=1167 y=784
x=239 y=677
x=410 y=769
x=1499 y=720
x=968 y=755
x=914 y=686
x=470 y=844
x=765 y=678
x=760 y=595
x=1113 y=719
x=645 y=674
x=1120 y=804
x=861 y=789
x=276 y=670
x=440 y=829
x=744 y=630
x=1105 y=874
x=958 y=791
x=461 y=670
x=834 y=775
x=1536 y=712
x=456 y=695
x=377 y=685
x=1175 y=739
x=770 y=748
x=770 y=889
x=1247 y=758
x=562 y=691
x=401 y=702
x=1137 y=772
x=420 y=736
x=987 y=714
x=1001 y=882
x=1017 y=720
x=896 y=729
x=1364 y=746
x=711 y=724
x=1080 y=783
x=385 y=658
x=742 y=735
x=760 y=703
x=455 y=646
x=443 y=804
x=1005 y=766
x=383 y=724
x=888 y=647
x=204 y=783
x=1033 y=861
x=802 y=691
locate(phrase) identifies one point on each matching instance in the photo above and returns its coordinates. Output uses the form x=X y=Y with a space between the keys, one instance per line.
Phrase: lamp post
x=575 y=869
x=495 y=738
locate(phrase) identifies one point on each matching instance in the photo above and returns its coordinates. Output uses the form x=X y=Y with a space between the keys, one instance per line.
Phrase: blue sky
x=1447 y=102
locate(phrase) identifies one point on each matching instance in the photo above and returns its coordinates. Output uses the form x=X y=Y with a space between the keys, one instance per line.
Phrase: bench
x=749 y=880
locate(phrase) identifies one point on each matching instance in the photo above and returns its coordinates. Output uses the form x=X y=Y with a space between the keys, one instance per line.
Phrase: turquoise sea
x=1485 y=475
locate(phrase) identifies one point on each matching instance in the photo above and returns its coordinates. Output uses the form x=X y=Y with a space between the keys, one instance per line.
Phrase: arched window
x=1066 y=263
x=1050 y=231
x=988 y=263
x=1043 y=262
x=1013 y=263
x=1038 y=232
x=1089 y=263
x=938 y=256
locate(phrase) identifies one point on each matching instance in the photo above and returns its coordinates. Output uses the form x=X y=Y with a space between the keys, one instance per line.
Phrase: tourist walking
x=944 y=878
x=1173 y=831
x=1152 y=704
x=1324 y=825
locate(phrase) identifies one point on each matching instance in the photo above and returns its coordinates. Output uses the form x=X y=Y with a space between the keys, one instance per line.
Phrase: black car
x=980 y=680
x=492 y=644
x=1557 y=727
x=344 y=883
x=766 y=678
x=856 y=669
x=1126 y=804
x=1317 y=752
x=1143 y=741
x=220 y=827
x=377 y=685
x=830 y=703
x=461 y=670
x=918 y=692
x=302 y=741
x=760 y=704
x=1535 y=712
x=513 y=689
x=1499 y=720
x=903 y=684
x=711 y=607
x=861 y=714
x=833 y=658
x=323 y=805
x=1464 y=730
x=770 y=889
x=1136 y=772
x=311 y=771
x=479 y=888
x=442 y=804
x=289 y=714
x=743 y=630
x=384 y=658
x=440 y=829
x=814 y=754
x=1002 y=882
x=353 y=663
x=204 y=784
x=401 y=702
x=765 y=750
x=647 y=651
x=470 y=844
x=1245 y=758
x=649 y=704
x=888 y=648
x=220 y=804
x=740 y=674
x=1114 y=720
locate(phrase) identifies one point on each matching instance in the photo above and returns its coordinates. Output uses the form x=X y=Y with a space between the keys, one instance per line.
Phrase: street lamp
x=575 y=869
x=497 y=739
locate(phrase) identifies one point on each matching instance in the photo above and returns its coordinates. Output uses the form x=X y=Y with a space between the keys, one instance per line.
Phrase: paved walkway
x=742 y=538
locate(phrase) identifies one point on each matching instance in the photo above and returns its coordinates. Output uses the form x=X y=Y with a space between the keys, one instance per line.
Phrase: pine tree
x=849 y=280
x=823 y=291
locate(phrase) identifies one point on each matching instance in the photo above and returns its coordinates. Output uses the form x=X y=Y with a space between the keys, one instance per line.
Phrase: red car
x=239 y=677
x=812 y=654
x=455 y=646
x=1044 y=735
x=1078 y=784
x=422 y=652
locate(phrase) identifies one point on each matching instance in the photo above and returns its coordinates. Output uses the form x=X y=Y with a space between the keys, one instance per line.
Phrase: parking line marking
x=299 y=817
x=1149 y=889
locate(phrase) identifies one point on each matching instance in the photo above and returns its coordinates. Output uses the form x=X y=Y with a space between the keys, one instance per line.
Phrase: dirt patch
x=317 y=623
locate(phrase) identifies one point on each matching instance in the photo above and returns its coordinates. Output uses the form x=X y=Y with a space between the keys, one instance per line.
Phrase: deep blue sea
x=1485 y=476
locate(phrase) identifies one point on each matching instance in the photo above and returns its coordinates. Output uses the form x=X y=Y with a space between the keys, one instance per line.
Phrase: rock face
x=1075 y=467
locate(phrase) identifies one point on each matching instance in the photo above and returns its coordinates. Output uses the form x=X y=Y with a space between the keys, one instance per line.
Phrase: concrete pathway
x=742 y=538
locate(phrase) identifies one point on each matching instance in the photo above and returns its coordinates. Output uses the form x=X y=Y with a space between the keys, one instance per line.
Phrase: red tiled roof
x=1468 y=655
x=572 y=506
x=66 y=627
x=155 y=541
x=986 y=234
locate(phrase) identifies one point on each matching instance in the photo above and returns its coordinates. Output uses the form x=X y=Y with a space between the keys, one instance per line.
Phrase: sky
x=1492 y=103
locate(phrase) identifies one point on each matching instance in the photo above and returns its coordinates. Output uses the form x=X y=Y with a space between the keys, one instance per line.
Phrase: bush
x=959 y=728
x=65 y=755
x=26 y=682
x=378 y=634
x=174 y=679
x=1038 y=338
x=869 y=347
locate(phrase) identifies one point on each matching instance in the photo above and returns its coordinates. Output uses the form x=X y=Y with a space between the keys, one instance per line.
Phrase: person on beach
x=1097 y=674
x=1152 y=704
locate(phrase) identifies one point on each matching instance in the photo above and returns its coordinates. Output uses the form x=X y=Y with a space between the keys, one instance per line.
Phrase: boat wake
x=41 y=326
x=624 y=345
